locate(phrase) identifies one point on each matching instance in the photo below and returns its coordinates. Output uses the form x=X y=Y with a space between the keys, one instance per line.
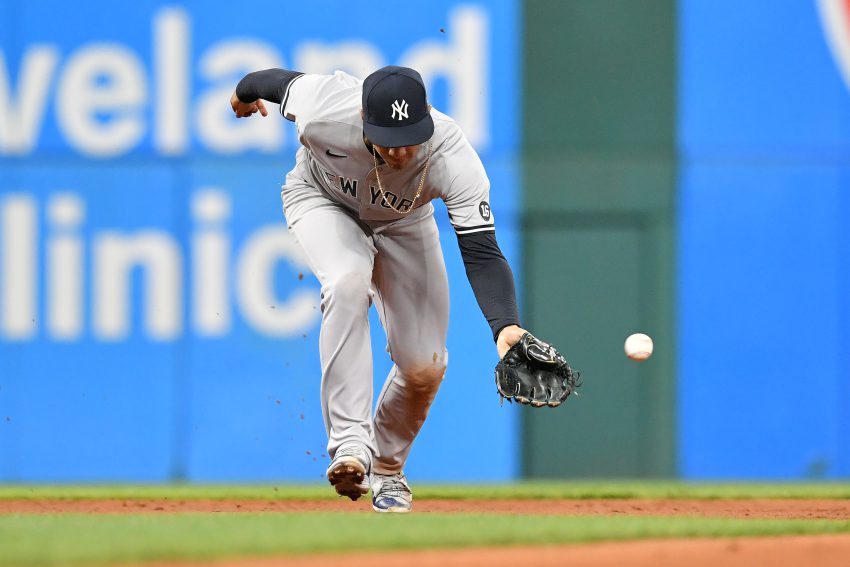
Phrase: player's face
x=397 y=158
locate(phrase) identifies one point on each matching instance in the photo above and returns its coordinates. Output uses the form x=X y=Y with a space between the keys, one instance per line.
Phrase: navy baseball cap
x=395 y=108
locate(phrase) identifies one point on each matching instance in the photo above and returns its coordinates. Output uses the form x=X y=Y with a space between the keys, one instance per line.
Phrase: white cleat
x=349 y=470
x=391 y=493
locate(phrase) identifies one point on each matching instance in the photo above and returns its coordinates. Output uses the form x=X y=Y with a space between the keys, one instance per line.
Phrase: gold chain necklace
x=418 y=190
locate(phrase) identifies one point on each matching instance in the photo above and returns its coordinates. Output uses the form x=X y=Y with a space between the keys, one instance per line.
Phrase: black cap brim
x=398 y=136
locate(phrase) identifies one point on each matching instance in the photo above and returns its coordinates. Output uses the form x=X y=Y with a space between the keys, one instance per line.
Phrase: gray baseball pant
x=400 y=268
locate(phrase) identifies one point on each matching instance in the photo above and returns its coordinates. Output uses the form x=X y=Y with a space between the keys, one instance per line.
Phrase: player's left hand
x=246 y=109
x=508 y=337
x=533 y=372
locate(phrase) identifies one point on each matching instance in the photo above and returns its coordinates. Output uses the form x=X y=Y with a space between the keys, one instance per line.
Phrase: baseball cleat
x=349 y=471
x=391 y=493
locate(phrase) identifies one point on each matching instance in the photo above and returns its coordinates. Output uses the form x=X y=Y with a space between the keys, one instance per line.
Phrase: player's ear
x=429 y=109
x=363 y=114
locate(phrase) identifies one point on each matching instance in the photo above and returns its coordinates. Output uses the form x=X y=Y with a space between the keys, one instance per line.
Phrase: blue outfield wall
x=764 y=203
x=156 y=320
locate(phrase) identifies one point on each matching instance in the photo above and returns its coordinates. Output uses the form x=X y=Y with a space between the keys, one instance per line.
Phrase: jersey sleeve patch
x=484 y=210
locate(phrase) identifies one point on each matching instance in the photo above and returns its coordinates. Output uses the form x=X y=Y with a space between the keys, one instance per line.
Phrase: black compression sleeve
x=491 y=279
x=268 y=85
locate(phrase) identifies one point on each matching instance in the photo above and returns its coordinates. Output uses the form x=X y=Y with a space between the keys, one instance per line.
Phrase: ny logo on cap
x=400 y=108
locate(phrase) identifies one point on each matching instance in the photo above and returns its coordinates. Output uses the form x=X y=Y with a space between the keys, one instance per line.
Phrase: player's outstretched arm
x=493 y=284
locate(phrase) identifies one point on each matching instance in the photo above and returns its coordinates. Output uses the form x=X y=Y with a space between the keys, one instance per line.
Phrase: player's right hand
x=246 y=109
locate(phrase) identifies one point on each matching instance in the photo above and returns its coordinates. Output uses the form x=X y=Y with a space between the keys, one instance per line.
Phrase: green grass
x=83 y=539
x=525 y=490
x=79 y=539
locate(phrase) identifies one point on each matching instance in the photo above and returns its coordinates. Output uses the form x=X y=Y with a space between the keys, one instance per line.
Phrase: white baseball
x=638 y=346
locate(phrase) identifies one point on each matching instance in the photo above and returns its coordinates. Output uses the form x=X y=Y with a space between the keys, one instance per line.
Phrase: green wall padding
x=599 y=179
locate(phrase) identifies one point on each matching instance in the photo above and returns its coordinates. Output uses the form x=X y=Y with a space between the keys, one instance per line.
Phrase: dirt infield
x=761 y=508
x=823 y=551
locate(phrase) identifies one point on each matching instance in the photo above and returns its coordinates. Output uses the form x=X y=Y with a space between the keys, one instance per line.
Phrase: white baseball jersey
x=326 y=111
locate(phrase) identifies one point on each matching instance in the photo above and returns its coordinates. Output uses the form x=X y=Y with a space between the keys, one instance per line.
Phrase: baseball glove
x=533 y=372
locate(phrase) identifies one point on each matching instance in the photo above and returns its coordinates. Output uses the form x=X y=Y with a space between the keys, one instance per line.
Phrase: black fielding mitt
x=534 y=373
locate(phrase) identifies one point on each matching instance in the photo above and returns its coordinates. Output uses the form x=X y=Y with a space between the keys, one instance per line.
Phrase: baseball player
x=373 y=156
